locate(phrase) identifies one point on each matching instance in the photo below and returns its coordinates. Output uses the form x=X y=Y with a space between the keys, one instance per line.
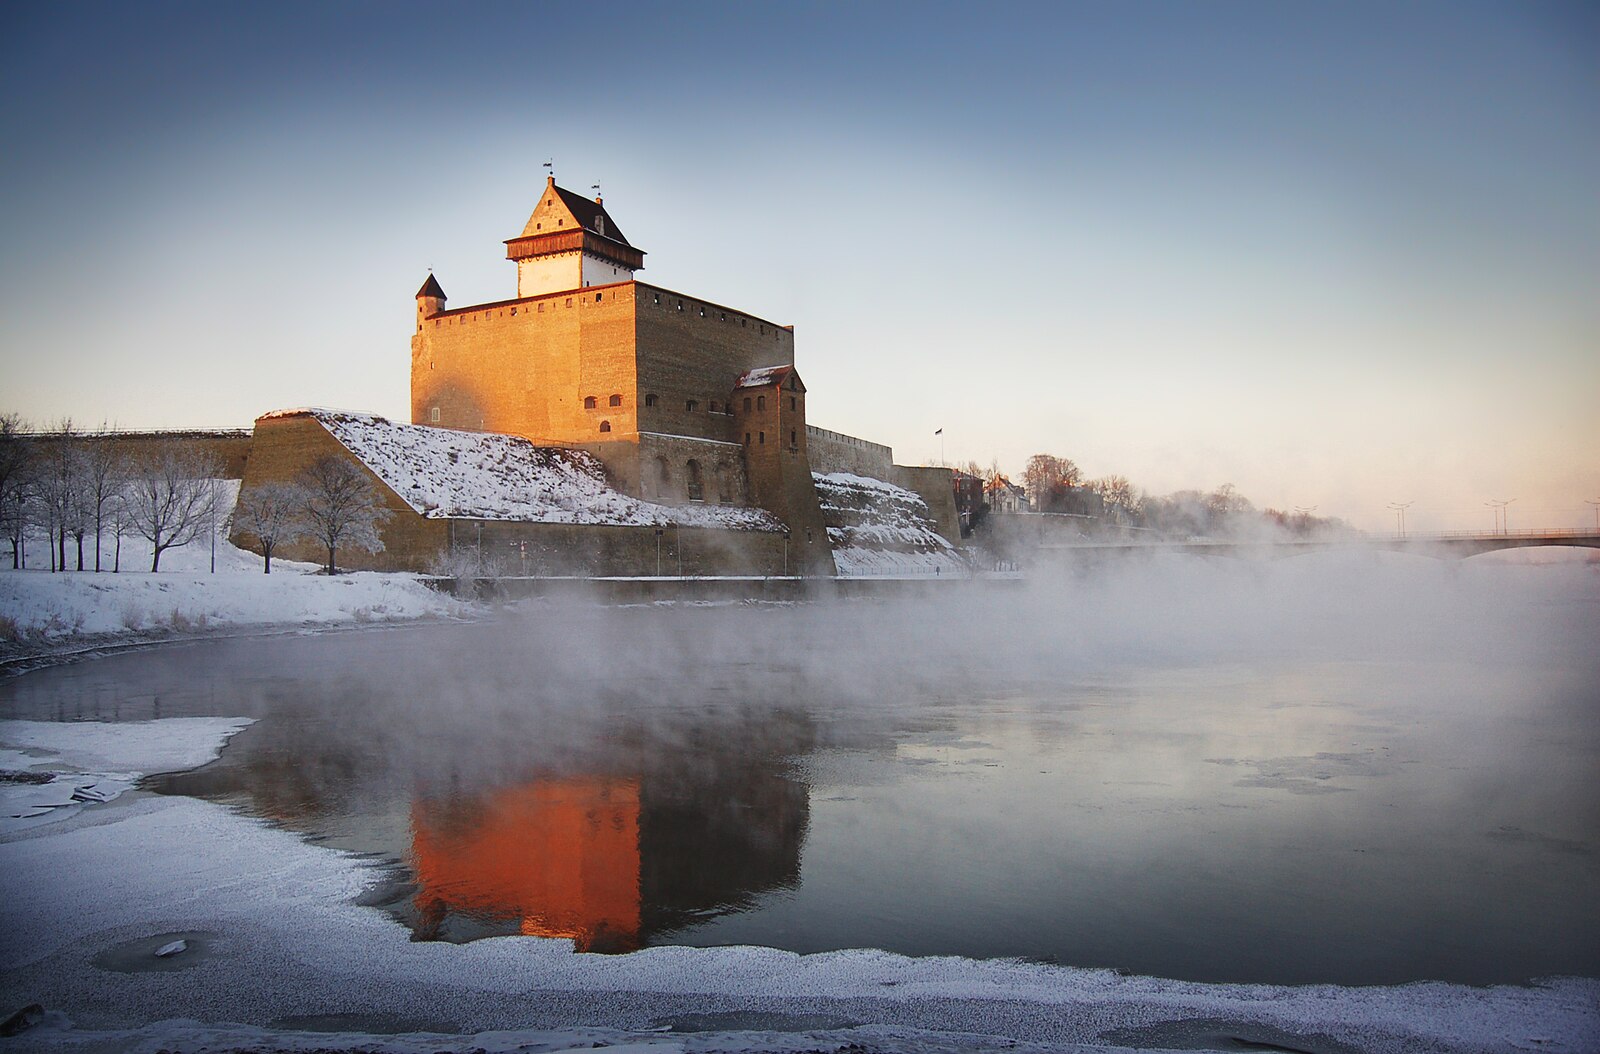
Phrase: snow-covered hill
x=877 y=528
x=443 y=473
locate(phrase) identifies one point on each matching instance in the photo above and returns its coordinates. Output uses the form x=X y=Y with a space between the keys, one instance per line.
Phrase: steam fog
x=1353 y=767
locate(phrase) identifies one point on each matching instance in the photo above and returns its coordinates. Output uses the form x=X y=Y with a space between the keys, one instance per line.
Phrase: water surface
x=816 y=779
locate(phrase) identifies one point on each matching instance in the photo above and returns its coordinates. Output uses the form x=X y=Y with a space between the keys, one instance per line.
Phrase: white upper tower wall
x=570 y=242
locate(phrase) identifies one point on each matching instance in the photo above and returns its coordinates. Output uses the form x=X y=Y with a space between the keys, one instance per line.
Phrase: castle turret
x=430 y=299
x=570 y=242
x=769 y=411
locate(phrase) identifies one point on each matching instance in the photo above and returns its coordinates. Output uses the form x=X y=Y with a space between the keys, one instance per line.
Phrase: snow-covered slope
x=444 y=473
x=877 y=528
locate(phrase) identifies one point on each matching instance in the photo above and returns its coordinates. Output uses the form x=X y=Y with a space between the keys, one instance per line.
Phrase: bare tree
x=103 y=470
x=341 y=507
x=271 y=514
x=169 y=496
x=1120 y=498
x=1048 y=477
x=16 y=484
x=56 y=490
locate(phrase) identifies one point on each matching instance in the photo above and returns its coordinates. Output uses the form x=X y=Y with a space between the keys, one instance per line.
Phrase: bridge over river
x=1444 y=544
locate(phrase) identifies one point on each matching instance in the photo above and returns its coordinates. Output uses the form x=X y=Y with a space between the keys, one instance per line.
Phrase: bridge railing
x=1541 y=532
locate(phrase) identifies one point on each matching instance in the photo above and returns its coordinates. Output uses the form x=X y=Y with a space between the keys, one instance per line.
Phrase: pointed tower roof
x=431 y=288
x=563 y=221
x=562 y=210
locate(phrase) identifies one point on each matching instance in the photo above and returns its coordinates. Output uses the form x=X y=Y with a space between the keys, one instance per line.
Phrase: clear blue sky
x=1337 y=256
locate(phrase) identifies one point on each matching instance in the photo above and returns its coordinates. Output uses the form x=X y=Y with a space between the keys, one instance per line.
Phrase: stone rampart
x=837 y=452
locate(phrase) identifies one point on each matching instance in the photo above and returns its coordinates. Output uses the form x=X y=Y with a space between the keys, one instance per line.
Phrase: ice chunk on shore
x=56 y=767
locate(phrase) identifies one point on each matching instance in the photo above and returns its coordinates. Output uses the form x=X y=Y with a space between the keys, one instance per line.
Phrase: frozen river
x=1286 y=776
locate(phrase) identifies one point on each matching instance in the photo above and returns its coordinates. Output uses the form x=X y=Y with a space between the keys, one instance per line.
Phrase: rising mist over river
x=1355 y=768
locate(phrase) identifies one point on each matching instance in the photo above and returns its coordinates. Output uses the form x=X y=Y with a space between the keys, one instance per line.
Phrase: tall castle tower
x=570 y=242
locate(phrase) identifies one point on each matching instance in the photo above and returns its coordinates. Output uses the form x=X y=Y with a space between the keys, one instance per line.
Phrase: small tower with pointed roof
x=430 y=300
x=568 y=243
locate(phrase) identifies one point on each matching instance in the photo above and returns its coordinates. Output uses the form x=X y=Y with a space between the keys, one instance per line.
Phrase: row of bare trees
x=1056 y=484
x=72 y=486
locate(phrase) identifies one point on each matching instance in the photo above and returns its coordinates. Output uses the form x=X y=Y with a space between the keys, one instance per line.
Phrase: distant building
x=1005 y=496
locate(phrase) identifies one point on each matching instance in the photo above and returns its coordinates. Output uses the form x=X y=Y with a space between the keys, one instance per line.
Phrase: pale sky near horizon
x=1337 y=256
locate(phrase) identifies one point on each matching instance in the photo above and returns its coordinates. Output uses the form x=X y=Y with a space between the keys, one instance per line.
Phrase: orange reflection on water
x=560 y=855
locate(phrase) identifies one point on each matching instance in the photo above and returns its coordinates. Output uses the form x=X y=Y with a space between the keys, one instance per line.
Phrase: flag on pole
x=939 y=432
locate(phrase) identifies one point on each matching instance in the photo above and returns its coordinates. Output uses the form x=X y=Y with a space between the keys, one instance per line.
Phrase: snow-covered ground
x=43 y=612
x=441 y=472
x=878 y=529
x=274 y=935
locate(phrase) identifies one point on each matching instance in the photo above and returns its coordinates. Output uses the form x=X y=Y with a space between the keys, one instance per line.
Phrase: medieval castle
x=579 y=420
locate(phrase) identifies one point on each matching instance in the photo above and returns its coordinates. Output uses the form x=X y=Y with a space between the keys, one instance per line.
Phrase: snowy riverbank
x=91 y=895
x=45 y=615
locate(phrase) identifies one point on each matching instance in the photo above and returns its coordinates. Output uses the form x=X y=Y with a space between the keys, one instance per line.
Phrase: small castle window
x=761 y=402
x=657 y=297
x=702 y=311
x=597 y=297
x=794 y=441
x=538 y=226
x=615 y=400
x=680 y=305
x=724 y=316
x=541 y=307
x=793 y=403
x=761 y=437
x=714 y=408
x=433 y=415
x=747 y=439
x=691 y=405
x=589 y=402
x=747 y=404
x=605 y=426
x=569 y=301
x=650 y=400
x=513 y=312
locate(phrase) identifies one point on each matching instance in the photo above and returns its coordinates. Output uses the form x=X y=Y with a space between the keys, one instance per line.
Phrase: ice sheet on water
x=91 y=762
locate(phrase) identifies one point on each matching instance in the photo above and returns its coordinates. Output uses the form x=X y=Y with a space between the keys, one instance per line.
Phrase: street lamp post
x=659 y=533
x=1502 y=520
x=1400 y=508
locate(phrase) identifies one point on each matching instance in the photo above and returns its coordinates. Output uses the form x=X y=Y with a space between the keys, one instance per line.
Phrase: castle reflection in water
x=609 y=862
x=615 y=845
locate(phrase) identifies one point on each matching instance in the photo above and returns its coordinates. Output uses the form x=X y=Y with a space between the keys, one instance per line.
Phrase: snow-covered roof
x=443 y=473
x=762 y=376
